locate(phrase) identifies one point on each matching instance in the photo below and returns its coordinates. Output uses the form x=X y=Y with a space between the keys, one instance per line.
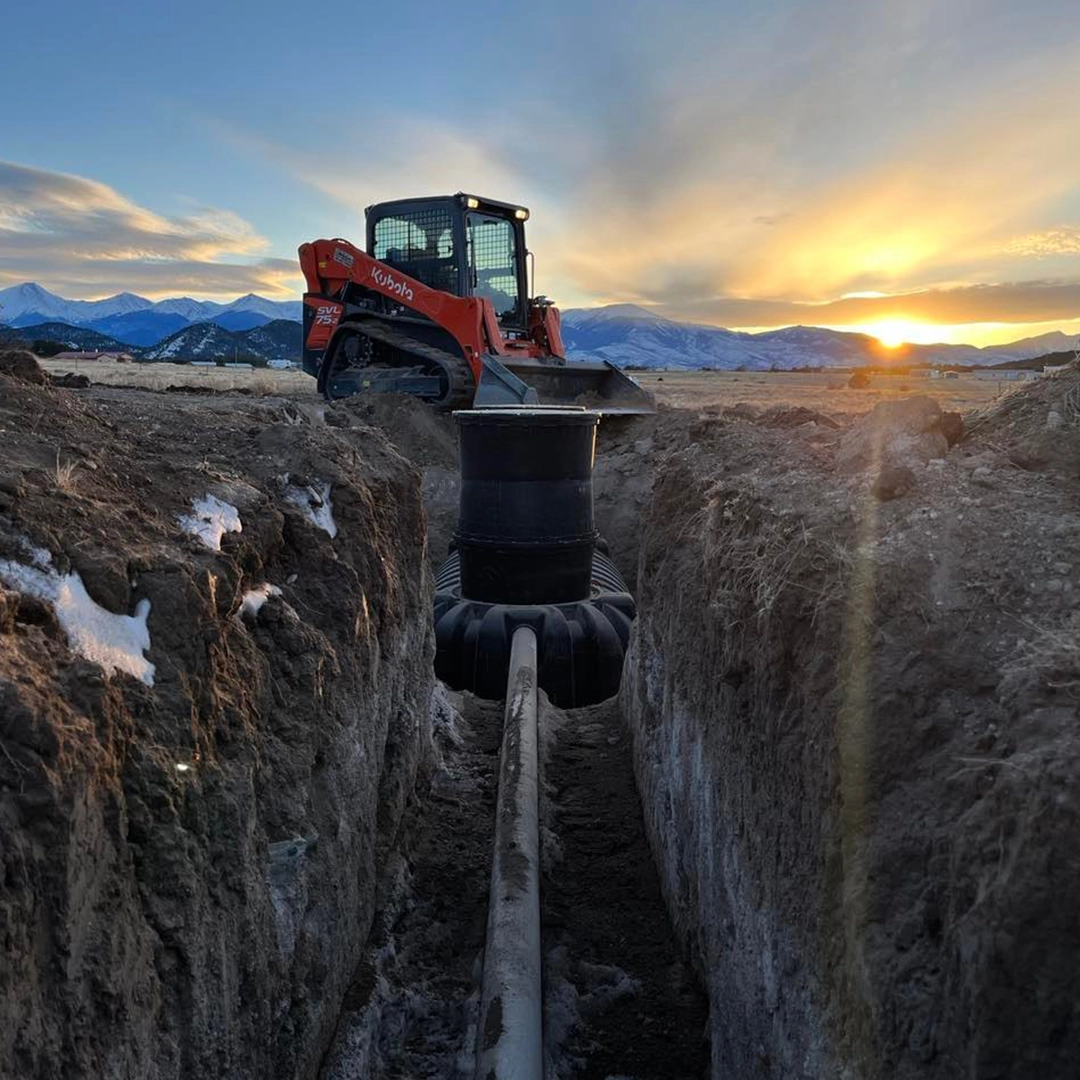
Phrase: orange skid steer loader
x=439 y=307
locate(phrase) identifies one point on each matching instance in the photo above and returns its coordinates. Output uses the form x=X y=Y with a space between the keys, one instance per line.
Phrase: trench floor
x=638 y=1010
x=619 y=1003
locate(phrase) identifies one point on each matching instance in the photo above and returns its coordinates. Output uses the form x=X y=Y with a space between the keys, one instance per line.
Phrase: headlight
x=521 y=215
x=472 y=204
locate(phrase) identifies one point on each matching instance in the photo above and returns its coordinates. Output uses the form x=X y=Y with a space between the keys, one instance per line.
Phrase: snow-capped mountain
x=30 y=300
x=272 y=309
x=192 y=310
x=134 y=319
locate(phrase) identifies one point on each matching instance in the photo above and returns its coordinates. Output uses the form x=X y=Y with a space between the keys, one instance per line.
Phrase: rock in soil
x=893 y=481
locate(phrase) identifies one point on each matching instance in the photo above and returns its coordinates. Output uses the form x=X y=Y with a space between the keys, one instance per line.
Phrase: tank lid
x=528 y=414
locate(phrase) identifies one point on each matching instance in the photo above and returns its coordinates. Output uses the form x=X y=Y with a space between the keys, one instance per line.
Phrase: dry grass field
x=159 y=376
x=825 y=392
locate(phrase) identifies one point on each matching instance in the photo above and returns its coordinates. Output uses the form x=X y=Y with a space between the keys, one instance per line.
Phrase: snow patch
x=316 y=505
x=114 y=642
x=210 y=520
x=574 y=992
x=253 y=600
x=38 y=556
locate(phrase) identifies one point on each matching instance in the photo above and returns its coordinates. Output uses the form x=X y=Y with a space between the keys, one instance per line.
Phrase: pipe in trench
x=509 y=1041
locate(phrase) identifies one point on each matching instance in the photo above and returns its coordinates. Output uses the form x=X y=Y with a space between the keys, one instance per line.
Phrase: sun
x=892 y=333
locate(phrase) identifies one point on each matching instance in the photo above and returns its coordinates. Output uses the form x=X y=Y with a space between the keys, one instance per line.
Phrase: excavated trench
x=620 y=998
x=826 y=829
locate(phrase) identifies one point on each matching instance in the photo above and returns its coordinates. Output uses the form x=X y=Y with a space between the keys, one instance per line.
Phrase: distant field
x=687 y=389
x=825 y=392
x=158 y=376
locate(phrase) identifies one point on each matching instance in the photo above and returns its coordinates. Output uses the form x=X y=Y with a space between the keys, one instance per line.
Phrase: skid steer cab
x=439 y=306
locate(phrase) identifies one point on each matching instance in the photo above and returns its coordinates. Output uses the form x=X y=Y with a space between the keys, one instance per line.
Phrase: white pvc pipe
x=509 y=1041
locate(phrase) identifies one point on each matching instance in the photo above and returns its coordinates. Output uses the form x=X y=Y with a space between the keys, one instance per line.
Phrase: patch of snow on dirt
x=316 y=504
x=114 y=642
x=38 y=556
x=405 y=1021
x=253 y=600
x=210 y=520
x=566 y=1007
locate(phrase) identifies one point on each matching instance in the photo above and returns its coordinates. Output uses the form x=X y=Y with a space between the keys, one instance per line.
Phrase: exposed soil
x=620 y=1001
x=856 y=735
x=187 y=850
x=851 y=709
x=428 y=439
x=411 y=1011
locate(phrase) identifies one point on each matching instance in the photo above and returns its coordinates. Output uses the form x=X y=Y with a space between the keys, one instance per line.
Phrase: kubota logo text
x=388 y=282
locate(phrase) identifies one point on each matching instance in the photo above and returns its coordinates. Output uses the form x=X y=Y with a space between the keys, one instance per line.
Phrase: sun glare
x=892 y=333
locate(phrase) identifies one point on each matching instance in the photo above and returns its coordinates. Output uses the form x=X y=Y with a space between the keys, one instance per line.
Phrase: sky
x=910 y=168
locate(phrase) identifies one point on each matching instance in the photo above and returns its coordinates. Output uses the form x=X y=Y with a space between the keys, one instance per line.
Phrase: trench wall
x=855 y=772
x=188 y=869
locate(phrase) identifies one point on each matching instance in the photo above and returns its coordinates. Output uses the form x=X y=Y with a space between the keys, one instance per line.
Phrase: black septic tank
x=525 y=530
x=526 y=554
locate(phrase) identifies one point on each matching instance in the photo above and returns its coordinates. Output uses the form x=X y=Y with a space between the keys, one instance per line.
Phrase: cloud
x=1063 y=241
x=926 y=207
x=1017 y=302
x=83 y=238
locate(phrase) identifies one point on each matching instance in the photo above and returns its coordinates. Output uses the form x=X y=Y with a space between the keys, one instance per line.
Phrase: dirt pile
x=23 y=366
x=856 y=738
x=1037 y=428
x=215 y=657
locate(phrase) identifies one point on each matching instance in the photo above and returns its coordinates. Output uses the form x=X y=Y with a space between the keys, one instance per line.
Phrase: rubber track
x=462 y=383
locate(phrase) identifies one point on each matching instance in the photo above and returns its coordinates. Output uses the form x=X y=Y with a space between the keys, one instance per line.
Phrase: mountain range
x=134 y=320
x=634 y=337
x=278 y=339
x=625 y=334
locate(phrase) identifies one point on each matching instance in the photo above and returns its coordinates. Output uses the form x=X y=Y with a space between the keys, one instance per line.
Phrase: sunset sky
x=909 y=168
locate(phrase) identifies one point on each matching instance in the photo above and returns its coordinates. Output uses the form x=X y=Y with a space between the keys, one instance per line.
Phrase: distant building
x=1006 y=375
x=93 y=354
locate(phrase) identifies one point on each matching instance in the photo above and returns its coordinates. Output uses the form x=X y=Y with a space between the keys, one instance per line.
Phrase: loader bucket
x=594 y=384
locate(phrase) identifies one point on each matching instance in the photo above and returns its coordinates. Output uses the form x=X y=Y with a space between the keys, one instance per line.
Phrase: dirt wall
x=855 y=723
x=205 y=753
